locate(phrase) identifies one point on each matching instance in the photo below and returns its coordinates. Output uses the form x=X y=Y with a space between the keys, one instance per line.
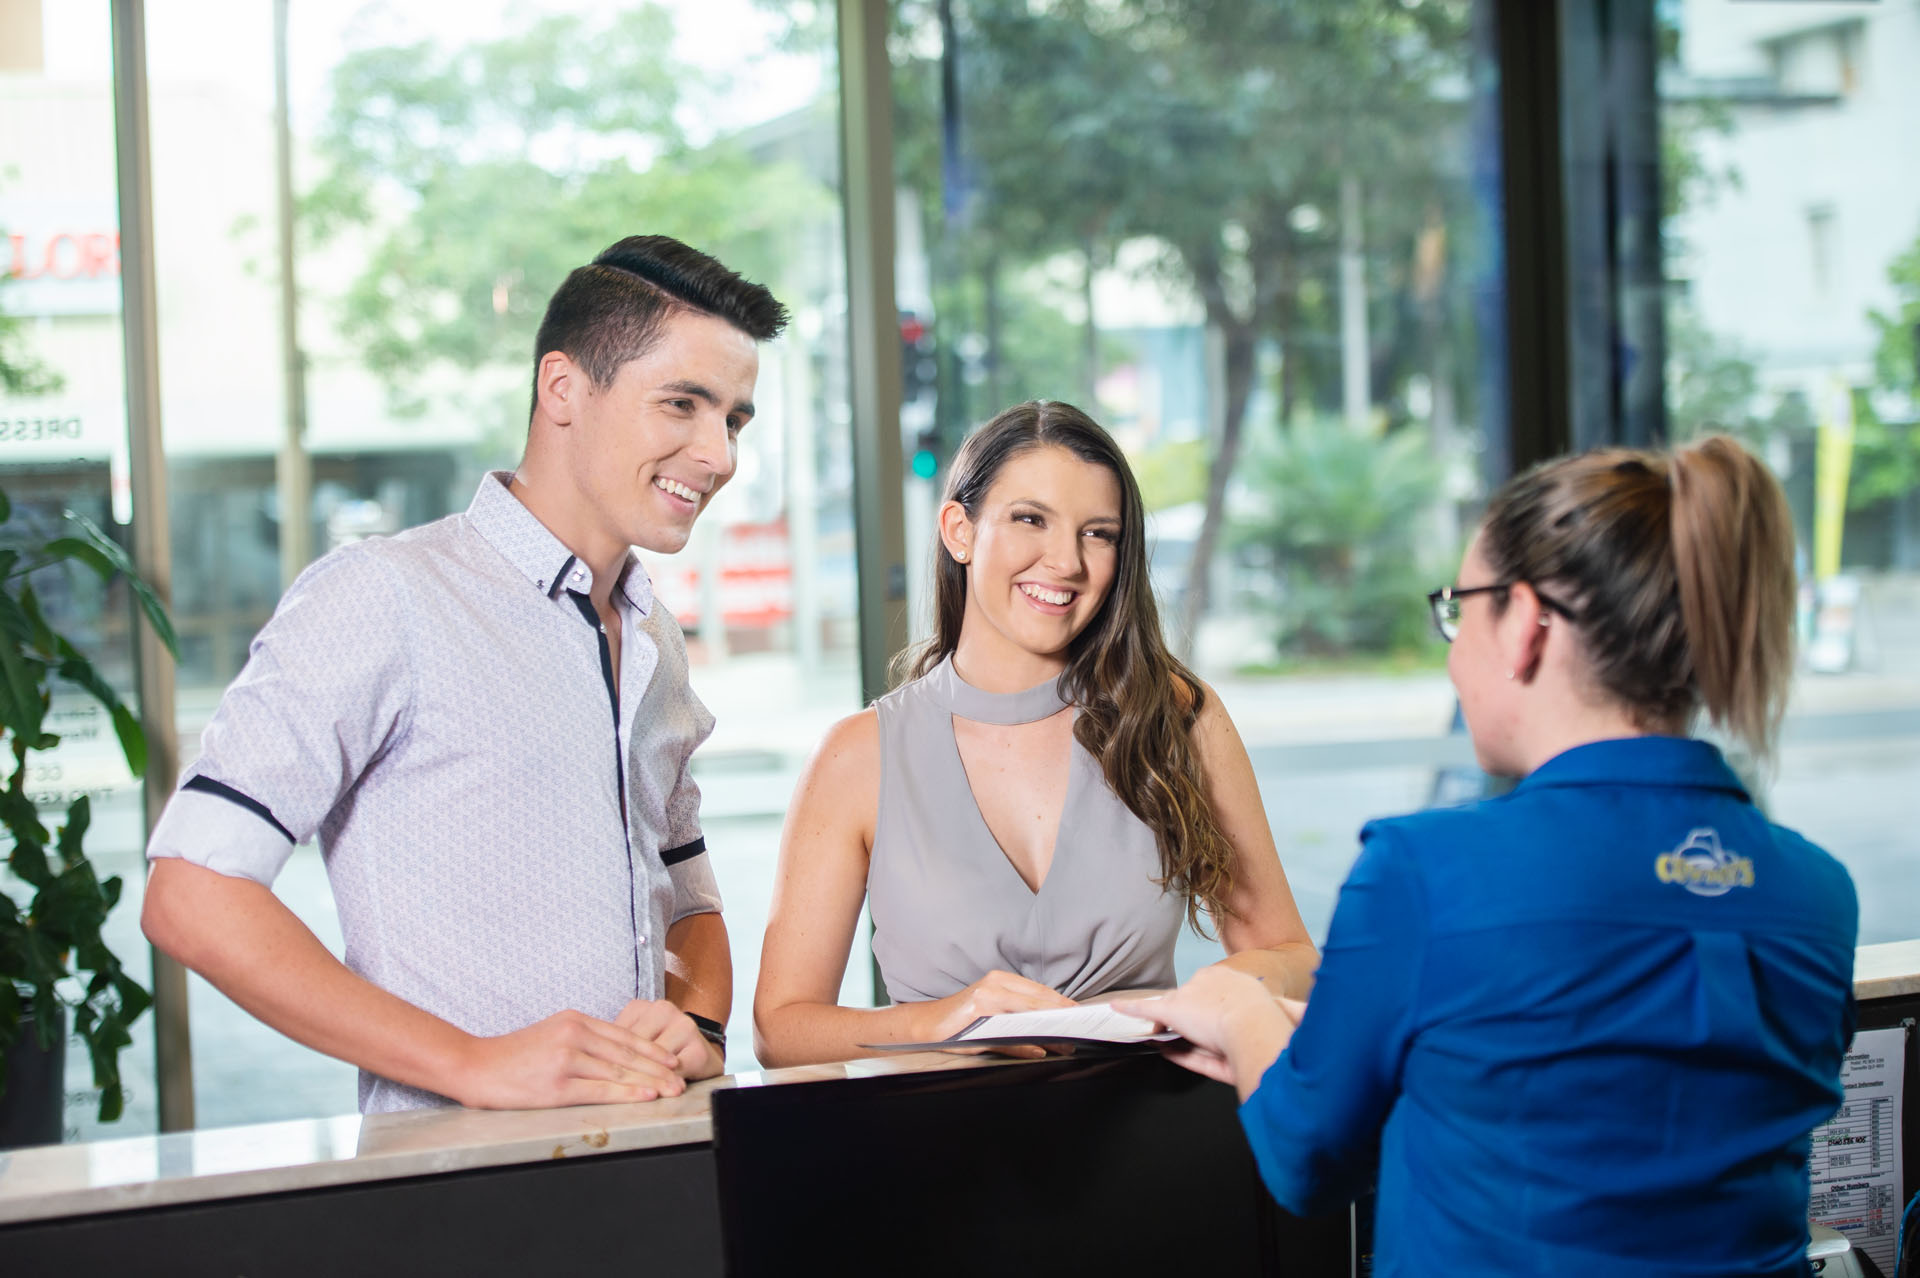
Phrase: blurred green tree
x=1343 y=526
x=469 y=180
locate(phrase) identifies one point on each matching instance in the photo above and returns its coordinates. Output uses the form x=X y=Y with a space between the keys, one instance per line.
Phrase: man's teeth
x=1048 y=596
x=677 y=489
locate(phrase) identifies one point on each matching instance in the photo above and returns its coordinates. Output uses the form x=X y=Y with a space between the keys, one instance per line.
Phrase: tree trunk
x=1240 y=342
x=1090 y=339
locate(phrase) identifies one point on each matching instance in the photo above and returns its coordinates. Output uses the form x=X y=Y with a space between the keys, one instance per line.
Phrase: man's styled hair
x=611 y=310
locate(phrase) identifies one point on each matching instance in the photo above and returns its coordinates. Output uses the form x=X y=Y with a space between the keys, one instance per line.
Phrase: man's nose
x=713 y=445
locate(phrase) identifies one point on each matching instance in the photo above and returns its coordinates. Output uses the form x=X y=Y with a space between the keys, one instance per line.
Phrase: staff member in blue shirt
x=1590 y=1024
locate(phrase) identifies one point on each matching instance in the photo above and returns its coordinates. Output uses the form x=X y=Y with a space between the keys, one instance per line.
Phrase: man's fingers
x=588 y=1067
x=620 y=1044
x=588 y=1091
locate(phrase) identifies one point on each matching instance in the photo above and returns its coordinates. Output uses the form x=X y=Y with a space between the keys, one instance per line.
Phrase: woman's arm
x=1261 y=928
x=817 y=891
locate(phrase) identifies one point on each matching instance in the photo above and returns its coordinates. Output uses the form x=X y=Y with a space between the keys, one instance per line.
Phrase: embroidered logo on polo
x=1703 y=867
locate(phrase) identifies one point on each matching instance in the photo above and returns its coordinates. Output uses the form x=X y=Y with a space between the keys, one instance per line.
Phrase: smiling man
x=486 y=722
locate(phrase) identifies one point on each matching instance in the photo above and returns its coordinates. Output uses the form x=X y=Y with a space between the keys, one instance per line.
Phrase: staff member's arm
x=1313 y=1111
x=1261 y=927
x=327 y=689
x=238 y=935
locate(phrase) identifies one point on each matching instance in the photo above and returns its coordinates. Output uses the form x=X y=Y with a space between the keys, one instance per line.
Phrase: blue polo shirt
x=1588 y=1027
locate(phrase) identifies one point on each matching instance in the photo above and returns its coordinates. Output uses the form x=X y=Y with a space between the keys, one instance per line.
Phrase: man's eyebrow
x=699 y=391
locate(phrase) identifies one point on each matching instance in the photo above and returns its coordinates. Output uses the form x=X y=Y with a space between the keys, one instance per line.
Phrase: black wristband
x=711 y=1030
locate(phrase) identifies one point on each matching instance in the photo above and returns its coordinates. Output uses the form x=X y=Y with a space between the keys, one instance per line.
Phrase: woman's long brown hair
x=1137 y=703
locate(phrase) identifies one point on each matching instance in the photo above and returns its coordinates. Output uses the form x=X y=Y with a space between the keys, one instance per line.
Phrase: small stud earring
x=1509 y=674
x=961 y=555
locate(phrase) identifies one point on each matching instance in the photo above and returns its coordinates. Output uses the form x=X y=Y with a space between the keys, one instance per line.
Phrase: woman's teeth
x=1058 y=597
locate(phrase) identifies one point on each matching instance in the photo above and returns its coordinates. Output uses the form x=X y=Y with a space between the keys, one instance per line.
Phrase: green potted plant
x=50 y=922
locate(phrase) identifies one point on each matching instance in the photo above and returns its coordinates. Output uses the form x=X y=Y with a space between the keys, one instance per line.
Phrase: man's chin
x=664 y=541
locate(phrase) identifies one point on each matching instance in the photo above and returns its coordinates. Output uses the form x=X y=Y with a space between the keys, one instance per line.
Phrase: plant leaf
x=87 y=553
x=79 y=817
x=76 y=669
x=22 y=704
x=110 y=550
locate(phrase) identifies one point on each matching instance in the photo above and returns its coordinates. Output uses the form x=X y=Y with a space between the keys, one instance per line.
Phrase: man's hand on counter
x=665 y=1025
x=570 y=1058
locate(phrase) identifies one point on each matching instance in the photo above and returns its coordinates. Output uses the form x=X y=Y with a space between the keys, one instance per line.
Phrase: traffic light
x=919 y=370
x=926 y=454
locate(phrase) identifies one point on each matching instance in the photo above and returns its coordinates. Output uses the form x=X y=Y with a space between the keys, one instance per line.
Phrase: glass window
x=1777 y=123
x=63 y=446
x=449 y=164
x=1259 y=244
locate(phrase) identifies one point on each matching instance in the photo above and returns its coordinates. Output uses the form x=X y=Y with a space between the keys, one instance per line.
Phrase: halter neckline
x=1042 y=701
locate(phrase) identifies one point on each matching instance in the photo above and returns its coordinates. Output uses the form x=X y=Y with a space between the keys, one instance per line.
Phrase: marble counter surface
x=1886 y=971
x=151 y=1171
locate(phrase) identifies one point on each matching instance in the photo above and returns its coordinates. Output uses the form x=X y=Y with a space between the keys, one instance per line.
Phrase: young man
x=486 y=721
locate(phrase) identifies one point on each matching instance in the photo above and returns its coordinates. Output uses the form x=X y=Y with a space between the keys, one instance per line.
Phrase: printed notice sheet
x=1859 y=1184
x=1092 y=1023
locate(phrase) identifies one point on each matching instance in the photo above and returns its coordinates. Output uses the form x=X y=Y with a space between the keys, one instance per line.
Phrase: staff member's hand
x=570 y=1058
x=672 y=1030
x=992 y=994
x=1233 y=1026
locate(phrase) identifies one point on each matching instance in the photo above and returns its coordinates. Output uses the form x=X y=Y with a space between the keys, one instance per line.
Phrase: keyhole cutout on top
x=1019 y=774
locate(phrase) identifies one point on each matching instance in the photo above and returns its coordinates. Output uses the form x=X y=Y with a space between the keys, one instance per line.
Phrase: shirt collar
x=1679 y=762
x=531 y=547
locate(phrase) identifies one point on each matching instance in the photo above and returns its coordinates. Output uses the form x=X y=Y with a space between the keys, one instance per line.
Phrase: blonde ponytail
x=1733 y=558
x=1678 y=569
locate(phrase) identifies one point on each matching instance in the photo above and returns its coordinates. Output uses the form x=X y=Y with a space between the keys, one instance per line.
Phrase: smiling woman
x=1033 y=814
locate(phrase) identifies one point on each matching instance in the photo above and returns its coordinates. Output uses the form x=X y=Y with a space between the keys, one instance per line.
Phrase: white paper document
x=1859 y=1184
x=1090 y=1023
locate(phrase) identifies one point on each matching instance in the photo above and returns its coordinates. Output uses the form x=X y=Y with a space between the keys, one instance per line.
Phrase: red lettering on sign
x=67 y=255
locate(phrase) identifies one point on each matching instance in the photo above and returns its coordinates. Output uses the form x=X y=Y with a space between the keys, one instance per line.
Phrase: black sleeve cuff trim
x=207 y=785
x=711 y=1030
x=685 y=852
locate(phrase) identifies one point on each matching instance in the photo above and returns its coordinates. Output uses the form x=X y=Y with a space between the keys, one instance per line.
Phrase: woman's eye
x=1105 y=534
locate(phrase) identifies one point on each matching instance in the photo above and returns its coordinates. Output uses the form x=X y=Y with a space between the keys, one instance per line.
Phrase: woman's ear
x=1523 y=631
x=956 y=531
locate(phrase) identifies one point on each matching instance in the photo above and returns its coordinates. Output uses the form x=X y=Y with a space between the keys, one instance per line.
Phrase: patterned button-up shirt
x=506 y=835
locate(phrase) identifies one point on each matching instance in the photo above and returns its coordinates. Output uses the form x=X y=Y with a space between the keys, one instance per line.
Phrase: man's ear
x=1523 y=631
x=558 y=384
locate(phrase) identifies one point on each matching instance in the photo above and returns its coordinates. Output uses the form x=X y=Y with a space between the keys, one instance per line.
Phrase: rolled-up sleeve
x=324 y=693
x=695 y=890
x=1316 y=1117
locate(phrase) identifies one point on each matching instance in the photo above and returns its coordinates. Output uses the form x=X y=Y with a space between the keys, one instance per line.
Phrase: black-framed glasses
x=1445 y=603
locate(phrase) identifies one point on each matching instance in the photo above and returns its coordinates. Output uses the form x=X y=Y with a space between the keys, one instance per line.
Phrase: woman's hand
x=1233 y=1026
x=992 y=994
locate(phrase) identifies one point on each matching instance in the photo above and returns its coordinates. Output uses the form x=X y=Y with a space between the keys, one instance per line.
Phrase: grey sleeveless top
x=947 y=905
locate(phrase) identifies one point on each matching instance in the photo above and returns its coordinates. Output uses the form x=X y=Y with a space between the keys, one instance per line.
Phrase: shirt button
x=643 y=940
x=578 y=575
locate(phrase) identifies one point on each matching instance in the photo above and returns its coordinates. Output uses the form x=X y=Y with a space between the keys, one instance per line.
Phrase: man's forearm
x=253 y=949
x=700 y=967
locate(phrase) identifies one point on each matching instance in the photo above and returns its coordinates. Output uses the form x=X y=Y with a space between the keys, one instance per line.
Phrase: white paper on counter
x=1859 y=1183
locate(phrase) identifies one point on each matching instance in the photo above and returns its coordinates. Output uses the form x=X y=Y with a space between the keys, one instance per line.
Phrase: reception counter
x=919 y=1163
